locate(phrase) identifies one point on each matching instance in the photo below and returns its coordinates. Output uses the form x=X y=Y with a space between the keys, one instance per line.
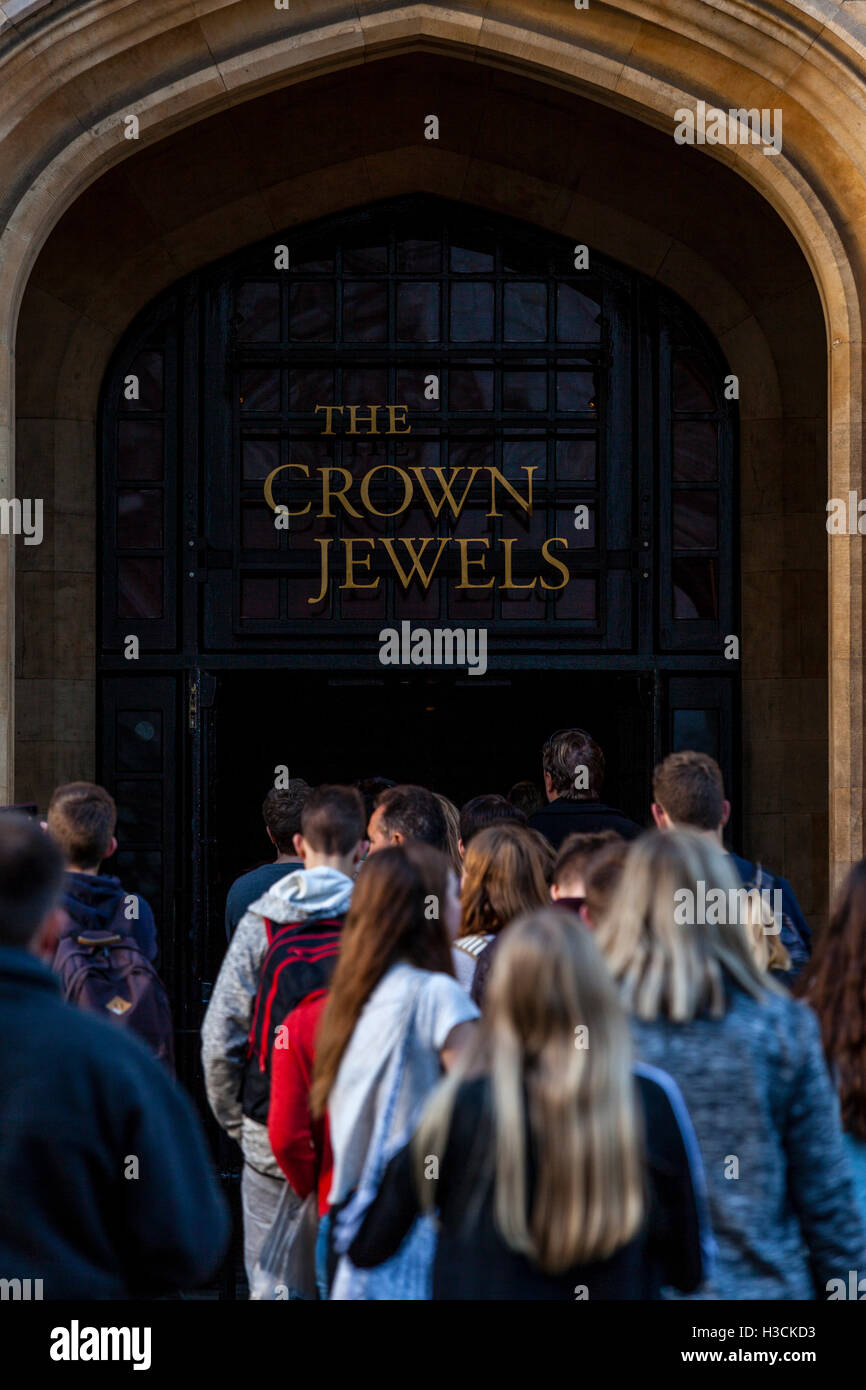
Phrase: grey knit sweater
x=780 y=1193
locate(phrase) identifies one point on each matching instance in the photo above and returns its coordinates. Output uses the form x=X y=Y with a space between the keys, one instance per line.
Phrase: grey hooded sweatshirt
x=302 y=896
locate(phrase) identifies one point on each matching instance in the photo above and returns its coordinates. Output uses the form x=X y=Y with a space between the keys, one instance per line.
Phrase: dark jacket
x=795 y=934
x=253 y=885
x=560 y=818
x=98 y=901
x=107 y=1187
x=472 y=1259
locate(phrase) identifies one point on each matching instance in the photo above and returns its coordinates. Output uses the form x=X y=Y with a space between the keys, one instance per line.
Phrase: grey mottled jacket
x=781 y=1198
x=303 y=894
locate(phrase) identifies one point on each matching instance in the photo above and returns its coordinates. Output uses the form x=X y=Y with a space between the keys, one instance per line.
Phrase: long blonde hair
x=667 y=965
x=555 y=1044
x=768 y=948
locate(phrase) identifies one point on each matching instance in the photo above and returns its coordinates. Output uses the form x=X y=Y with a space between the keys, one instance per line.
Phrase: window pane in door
x=258 y=531
x=311 y=311
x=690 y=392
x=359 y=260
x=578 y=599
x=521 y=454
x=471 y=388
x=576 y=391
x=577 y=526
x=364 y=386
x=139 y=740
x=309 y=387
x=139 y=519
x=139 y=449
x=140 y=803
x=365 y=311
x=471 y=260
x=260 y=597
x=259 y=389
x=147 y=368
x=575 y=460
x=412 y=387
x=418 y=312
x=525 y=311
x=419 y=256
x=139 y=588
x=578 y=316
x=142 y=870
x=259 y=457
x=524 y=390
x=471 y=311
x=696 y=590
x=696 y=730
x=696 y=524
x=257 y=311
x=696 y=455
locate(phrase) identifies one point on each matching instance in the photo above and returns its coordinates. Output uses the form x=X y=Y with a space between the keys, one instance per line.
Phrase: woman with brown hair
x=395 y=1018
x=834 y=983
x=505 y=872
x=559 y=1172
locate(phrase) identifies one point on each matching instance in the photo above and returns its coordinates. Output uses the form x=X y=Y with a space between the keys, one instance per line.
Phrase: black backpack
x=300 y=959
x=106 y=972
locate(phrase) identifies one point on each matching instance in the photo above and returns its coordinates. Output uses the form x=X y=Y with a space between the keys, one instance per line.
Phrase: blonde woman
x=505 y=873
x=556 y=1171
x=768 y=949
x=747 y=1059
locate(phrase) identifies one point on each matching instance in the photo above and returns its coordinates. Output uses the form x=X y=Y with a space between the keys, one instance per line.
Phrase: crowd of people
x=518 y=1050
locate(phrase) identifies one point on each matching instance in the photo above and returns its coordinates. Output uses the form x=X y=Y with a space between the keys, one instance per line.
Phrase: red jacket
x=301 y=1145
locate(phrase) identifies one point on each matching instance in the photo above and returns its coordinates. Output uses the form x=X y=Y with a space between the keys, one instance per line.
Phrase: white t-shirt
x=365 y=1074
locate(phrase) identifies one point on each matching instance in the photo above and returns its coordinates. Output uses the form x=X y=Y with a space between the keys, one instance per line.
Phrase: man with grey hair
x=573 y=767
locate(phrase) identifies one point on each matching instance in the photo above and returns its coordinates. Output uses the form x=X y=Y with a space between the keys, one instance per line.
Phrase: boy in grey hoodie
x=331 y=845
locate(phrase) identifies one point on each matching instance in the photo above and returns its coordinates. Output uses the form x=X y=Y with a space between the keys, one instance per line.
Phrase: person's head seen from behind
x=81 y=819
x=332 y=830
x=406 y=813
x=31 y=881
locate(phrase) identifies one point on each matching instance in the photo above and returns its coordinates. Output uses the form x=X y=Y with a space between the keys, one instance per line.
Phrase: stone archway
x=185 y=62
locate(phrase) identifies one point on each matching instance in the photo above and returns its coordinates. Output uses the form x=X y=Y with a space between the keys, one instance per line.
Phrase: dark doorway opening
x=458 y=734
